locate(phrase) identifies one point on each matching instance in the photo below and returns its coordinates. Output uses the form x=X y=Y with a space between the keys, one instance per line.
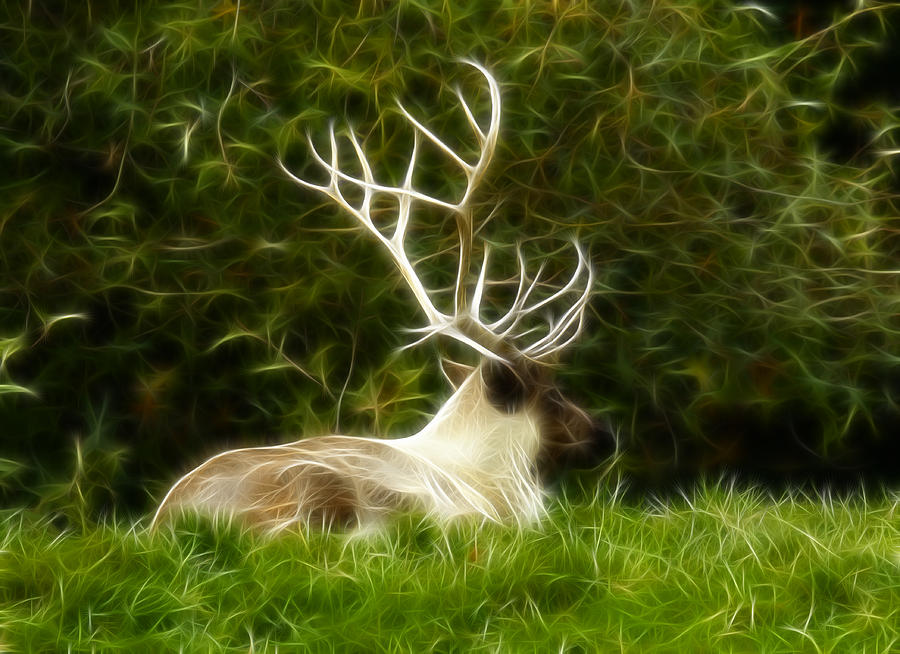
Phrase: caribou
x=493 y=446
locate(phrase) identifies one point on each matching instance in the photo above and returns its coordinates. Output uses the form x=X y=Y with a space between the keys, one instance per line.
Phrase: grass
x=714 y=569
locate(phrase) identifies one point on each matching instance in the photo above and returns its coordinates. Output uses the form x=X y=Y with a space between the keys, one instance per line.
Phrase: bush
x=167 y=291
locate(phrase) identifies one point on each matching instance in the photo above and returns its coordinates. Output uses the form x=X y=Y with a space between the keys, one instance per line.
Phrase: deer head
x=489 y=449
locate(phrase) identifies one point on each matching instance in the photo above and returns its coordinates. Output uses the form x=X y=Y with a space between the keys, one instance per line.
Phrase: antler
x=492 y=339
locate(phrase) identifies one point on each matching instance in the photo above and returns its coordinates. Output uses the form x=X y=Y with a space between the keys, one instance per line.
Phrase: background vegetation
x=165 y=291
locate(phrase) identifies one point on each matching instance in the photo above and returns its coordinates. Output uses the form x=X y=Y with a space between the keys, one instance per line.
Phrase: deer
x=490 y=449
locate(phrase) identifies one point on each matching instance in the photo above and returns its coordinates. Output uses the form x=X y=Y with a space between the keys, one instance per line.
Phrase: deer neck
x=469 y=431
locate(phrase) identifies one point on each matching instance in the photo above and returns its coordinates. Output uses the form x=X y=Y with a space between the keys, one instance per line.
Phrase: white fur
x=470 y=460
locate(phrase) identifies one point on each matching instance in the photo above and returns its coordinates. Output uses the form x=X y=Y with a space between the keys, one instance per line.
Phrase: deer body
x=473 y=458
x=487 y=448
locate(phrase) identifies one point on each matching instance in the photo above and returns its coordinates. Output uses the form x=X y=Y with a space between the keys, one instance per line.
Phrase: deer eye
x=505 y=387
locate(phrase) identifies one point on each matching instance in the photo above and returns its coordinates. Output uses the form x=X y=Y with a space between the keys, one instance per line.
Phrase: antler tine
x=554 y=345
x=487 y=141
x=405 y=200
x=565 y=289
x=518 y=310
x=439 y=143
x=471 y=118
x=475 y=307
x=551 y=343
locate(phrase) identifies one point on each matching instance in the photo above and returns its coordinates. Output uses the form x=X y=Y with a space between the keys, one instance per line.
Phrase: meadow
x=715 y=569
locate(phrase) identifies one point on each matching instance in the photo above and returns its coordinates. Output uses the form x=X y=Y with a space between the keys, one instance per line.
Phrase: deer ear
x=506 y=386
x=454 y=372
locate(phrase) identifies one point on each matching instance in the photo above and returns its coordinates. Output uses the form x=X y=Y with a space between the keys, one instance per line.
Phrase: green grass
x=716 y=569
